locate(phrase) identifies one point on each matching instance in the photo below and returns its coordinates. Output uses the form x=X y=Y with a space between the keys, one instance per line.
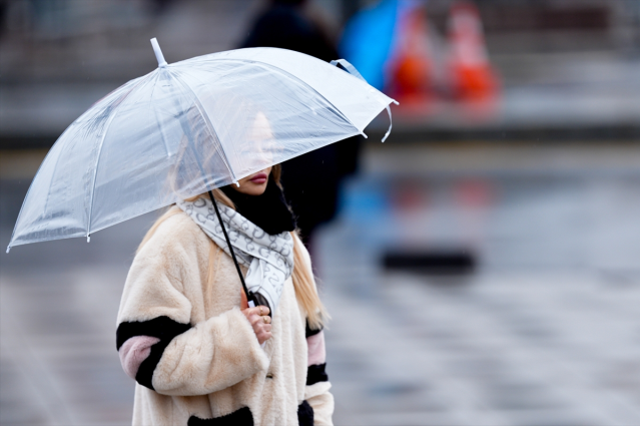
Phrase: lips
x=259 y=178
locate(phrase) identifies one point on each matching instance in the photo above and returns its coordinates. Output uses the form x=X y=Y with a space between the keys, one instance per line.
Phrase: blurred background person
x=311 y=181
x=293 y=25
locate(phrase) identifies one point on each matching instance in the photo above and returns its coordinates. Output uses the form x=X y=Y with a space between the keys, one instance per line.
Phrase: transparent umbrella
x=186 y=128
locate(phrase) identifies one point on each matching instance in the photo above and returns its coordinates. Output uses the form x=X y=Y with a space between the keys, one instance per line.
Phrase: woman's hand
x=260 y=321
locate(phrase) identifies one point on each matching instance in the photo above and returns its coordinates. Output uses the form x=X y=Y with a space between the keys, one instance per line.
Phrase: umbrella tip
x=8 y=249
x=88 y=238
x=159 y=56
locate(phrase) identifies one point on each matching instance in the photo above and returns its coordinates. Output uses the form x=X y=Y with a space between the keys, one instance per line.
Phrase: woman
x=199 y=354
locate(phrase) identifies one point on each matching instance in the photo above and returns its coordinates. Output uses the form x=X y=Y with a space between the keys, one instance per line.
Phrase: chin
x=260 y=191
x=257 y=190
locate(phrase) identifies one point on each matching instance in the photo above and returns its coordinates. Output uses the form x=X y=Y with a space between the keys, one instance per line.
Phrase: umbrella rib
x=155 y=112
x=209 y=125
x=95 y=173
x=95 y=169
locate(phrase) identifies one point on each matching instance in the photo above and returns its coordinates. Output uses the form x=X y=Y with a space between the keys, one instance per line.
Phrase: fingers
x=264 y=335
x=263 y=331
x=254 y=316
x=257 y=320
x=260 y=322
x=260 y=310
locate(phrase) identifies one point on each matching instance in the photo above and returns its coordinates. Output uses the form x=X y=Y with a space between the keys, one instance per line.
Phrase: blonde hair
x=302 y=276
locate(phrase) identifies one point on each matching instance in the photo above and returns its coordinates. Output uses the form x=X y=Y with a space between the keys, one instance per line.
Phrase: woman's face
x=254 y=184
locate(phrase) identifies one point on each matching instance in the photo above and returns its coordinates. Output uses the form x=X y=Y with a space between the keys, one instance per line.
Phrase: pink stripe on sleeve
x=317 y=351
x=134 y=351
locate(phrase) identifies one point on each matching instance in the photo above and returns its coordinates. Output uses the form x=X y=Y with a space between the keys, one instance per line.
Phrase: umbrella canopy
x=186 y=128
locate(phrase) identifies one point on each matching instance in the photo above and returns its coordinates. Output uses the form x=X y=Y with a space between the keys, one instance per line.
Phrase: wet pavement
x=544 y=330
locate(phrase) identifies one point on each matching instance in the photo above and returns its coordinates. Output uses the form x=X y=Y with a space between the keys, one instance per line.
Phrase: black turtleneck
x=268 y=211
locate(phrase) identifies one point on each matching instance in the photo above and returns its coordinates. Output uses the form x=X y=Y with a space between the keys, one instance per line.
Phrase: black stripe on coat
x=305 y=414
x=308 y=331
x=316 y=373
x=164 y=328
x=241 y=417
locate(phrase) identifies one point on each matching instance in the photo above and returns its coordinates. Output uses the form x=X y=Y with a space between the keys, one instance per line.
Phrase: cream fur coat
x=195 y=358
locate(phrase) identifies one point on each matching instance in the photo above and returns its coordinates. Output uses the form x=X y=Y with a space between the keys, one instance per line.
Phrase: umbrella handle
x=249 y=294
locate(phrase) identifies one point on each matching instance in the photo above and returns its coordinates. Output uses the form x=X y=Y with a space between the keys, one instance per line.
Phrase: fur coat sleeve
x=183 y=357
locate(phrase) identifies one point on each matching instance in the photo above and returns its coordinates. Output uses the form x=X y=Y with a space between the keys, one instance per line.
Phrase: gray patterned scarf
x=268 y=257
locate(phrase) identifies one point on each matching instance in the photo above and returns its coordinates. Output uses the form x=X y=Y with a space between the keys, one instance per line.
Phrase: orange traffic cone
x=411 y=68
x=472 y=76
